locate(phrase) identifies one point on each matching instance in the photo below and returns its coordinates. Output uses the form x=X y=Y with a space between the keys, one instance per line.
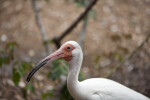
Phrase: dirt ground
x=120 y=26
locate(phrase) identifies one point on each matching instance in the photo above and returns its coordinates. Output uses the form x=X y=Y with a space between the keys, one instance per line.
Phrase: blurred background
x=114 y=36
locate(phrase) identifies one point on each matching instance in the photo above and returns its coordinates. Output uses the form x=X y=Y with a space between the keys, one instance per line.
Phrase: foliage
x=47 y=94
x=19 y=70
x=30 y=87
x=65 y=94
x=59 y=68
x=6 y=54
x=19 y=67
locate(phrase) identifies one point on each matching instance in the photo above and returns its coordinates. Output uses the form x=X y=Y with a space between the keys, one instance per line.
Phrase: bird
x=89 y=89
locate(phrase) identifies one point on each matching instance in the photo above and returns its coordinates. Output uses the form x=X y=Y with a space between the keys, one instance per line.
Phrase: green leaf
x=50 y=93
x=65 y=95
x=55 y=73
x=44 y=95
x=15 y=63
x=56 y=63
x=64 y=70
x=59 y=68
x=21 y=70
x=92 y=14
x=30 y=87
x=15 y=77
x=5 y=59
x=47 y=94
x=10 y=46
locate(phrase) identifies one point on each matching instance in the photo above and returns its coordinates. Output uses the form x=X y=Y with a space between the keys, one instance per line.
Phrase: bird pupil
x=68 y=48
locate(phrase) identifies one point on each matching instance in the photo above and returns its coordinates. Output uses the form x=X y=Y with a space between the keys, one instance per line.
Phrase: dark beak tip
x=28 y=79
x=38 y=66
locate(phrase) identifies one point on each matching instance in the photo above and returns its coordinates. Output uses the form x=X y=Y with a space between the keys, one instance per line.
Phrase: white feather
x=95 y=88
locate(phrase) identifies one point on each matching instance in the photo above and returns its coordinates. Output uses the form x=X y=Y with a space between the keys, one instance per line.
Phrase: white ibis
x=90 y=89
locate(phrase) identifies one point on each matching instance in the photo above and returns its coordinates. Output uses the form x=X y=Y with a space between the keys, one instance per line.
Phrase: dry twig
x=57 y=40
x=41 y=28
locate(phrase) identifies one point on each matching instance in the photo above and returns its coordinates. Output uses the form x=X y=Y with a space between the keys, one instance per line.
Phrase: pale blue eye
x=68 y=48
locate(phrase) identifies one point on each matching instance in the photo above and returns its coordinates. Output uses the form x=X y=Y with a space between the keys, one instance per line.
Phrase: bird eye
x=68 y=48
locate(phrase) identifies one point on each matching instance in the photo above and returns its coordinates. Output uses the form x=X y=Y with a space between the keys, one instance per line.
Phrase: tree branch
x=57 y=40
x=41 y=28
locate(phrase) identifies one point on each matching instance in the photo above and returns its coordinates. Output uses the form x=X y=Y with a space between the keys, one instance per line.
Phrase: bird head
x=67 y=51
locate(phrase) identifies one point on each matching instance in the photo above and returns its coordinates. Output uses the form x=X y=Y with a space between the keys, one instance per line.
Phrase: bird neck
x=74 y=69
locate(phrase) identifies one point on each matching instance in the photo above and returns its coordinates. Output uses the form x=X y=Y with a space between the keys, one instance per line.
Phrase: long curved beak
x=57 y=54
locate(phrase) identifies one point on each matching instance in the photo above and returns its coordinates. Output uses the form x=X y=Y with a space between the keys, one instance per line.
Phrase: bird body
x=105 y=89
x=90 y=89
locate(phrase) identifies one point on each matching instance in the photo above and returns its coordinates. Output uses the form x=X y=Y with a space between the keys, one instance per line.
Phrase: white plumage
x=95 y=88
x=90 y=89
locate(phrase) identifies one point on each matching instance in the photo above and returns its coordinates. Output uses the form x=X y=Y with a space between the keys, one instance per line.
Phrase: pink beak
x=57 y=54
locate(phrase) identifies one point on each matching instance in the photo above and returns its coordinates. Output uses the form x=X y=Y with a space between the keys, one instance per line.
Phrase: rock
x=3 y=37
x=21 y=84
x=31 y=53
